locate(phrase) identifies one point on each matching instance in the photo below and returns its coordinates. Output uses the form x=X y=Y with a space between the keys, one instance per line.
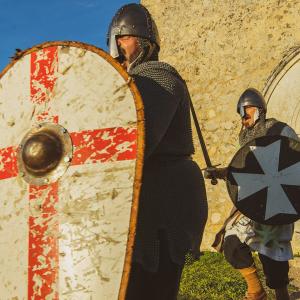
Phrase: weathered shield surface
x=71 y=237
x=264 y=180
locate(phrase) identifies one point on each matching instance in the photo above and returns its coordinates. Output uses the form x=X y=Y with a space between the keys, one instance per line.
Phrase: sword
x=209 y=166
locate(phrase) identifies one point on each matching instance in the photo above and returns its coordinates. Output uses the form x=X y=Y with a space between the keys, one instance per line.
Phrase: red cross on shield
x=71 y=152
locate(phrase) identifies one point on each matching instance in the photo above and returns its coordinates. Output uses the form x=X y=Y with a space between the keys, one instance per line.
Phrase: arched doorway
x=282 y=91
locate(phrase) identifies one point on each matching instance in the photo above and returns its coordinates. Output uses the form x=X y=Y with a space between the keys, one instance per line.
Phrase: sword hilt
x=210 y=170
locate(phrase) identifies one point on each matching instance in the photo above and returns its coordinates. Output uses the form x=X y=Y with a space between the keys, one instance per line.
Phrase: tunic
x=173 y=197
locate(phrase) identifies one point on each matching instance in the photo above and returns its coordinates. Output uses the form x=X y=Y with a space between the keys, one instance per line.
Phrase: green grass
x=212 y=278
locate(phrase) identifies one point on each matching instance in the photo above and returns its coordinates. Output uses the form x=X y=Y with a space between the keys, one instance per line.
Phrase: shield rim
x=140 y=140
x=234 y=157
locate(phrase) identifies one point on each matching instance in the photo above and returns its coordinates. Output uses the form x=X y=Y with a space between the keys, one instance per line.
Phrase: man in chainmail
x=240 y=235
x=172 y=205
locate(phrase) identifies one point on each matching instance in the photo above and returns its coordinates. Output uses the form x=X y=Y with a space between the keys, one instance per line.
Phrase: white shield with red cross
x=71 y=151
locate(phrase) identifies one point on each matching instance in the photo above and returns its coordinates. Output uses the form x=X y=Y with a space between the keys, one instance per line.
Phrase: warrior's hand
x=215 y=173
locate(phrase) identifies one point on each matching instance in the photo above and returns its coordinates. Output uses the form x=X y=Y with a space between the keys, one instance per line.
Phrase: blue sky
x=25 y=23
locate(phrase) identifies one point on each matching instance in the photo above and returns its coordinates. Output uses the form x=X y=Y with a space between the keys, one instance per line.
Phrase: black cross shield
x=264 y=180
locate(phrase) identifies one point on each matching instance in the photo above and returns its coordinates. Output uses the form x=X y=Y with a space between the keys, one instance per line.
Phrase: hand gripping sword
x=209 y=166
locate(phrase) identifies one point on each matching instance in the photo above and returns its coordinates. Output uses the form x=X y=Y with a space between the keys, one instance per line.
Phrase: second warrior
x=240 y=235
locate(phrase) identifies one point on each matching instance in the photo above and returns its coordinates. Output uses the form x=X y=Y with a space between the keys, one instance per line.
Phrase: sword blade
x=209 y=165
x=200 y=136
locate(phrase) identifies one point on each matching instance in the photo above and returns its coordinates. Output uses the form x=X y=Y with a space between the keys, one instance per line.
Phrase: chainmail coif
x=258 y=130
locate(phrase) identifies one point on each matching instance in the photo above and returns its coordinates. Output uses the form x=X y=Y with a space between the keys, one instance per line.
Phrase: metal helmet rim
x=131 y=19
x=251 y=97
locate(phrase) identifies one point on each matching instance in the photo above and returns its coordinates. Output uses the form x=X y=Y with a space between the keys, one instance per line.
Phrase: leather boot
x=256 y=296
x=255 y=290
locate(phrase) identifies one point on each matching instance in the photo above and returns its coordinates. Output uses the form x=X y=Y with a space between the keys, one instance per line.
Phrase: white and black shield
x=264 y=180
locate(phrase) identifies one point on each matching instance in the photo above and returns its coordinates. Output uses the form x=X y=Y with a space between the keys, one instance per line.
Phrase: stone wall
x=220 y=48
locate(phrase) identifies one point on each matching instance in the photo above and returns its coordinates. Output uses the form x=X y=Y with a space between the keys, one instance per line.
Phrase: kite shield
x=264 y=180
x=71 y=152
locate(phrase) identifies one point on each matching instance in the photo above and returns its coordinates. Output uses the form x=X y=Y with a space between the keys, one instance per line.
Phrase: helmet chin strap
x=146 y=50
x=135 y=60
